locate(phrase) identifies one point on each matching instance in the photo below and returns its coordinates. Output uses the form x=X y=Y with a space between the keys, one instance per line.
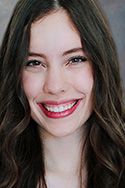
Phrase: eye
x=77 y=59
x=33 y=63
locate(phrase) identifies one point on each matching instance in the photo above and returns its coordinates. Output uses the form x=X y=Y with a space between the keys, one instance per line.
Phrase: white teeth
x=55 y=109
x=59 y=109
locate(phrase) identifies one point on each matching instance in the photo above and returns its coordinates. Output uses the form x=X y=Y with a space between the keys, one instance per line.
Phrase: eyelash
x=73 y=60
x=77 y=59
x=33 y=63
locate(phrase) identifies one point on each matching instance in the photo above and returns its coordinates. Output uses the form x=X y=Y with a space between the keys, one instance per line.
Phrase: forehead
x=54 y=31
x=54 y=18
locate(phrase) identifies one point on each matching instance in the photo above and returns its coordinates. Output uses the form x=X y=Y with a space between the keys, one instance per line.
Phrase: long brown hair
x=21 y=150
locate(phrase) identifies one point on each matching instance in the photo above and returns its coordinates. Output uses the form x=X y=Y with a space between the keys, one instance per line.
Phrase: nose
x=55 y=82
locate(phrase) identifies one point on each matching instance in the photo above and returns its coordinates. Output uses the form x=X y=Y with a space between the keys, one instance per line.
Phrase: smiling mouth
x=59 y=110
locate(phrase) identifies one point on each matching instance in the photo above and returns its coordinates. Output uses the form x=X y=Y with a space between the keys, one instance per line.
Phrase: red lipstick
x=47 y=108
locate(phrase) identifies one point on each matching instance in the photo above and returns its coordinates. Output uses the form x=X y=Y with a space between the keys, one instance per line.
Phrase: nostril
x=53 y=88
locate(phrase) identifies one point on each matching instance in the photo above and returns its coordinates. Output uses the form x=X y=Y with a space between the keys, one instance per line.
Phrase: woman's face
x=58 y=78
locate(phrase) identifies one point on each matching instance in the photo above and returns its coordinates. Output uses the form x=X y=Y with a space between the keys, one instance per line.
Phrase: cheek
x=30 y=86
x=84 y=81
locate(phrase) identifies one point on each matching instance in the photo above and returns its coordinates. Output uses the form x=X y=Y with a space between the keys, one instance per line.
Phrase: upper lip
x=58 y=102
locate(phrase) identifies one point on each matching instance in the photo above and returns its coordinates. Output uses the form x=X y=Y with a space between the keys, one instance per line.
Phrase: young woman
x=61 y=109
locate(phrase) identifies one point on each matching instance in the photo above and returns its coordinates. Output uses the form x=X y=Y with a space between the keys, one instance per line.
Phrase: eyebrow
x=64 y=54
x=72 y=51
x=36 y=54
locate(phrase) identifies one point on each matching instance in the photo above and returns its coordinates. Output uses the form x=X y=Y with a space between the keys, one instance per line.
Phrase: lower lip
x=57 y=115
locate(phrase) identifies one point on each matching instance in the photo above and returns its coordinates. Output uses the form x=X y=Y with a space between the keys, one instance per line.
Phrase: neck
x=63 y=154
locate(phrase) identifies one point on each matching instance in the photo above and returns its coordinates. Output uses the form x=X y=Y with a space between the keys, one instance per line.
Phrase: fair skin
x=58 y=82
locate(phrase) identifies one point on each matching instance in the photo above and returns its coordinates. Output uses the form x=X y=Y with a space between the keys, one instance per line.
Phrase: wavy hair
x=21 y=149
